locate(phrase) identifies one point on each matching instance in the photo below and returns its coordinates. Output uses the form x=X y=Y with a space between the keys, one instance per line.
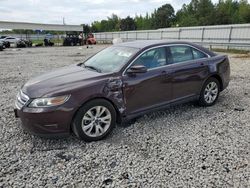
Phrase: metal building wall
x=37 y=26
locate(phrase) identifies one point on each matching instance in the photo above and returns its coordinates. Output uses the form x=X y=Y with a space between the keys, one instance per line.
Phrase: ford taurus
x=120 y=83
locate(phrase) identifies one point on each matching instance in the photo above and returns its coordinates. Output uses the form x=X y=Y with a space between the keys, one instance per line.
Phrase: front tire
x=210 y=92
x=94 y=120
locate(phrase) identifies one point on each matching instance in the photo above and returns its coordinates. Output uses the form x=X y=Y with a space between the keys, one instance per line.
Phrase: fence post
x=230 y=36
x=161 y=35
x=179 y=34
x=202 y=34
x=147 y=35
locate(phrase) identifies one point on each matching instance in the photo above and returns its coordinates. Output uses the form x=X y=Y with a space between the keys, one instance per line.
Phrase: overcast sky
x=77 y=11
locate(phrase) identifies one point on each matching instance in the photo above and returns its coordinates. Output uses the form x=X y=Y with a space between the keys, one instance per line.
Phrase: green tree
x=186 y=16
x=86 y=29
x=143 y=23
x=198 y=12
x=127 y=24
x=113 y=22
x=244 y=11
x=227 y=12
x=163 y=17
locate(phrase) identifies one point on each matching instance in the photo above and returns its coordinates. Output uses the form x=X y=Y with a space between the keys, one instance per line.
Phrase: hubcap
x=211 y=92
x=96 y=121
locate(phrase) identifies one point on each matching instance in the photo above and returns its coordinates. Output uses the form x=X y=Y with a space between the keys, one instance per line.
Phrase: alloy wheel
x=211 y=92
x=96 y=121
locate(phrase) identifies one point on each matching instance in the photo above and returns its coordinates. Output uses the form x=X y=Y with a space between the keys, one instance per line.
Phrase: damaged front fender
x=114 y=90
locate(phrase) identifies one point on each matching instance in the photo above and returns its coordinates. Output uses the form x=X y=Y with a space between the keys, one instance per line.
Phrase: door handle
x=166 y=74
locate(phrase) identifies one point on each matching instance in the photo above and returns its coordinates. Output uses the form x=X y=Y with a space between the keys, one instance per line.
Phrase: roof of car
x=141 y=44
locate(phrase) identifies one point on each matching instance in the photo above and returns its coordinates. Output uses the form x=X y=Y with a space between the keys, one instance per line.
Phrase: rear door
x=189 y=69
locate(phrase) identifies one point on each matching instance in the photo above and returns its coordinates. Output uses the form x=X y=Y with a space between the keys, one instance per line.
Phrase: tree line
x=196 y=13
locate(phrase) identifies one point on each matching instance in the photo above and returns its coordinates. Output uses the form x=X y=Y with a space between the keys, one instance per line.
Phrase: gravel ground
x=183 y=146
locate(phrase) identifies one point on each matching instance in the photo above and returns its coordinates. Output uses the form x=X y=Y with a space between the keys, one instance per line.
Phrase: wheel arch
x=218 y=77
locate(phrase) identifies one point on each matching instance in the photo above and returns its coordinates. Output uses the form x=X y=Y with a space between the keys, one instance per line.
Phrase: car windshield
x=111 y=59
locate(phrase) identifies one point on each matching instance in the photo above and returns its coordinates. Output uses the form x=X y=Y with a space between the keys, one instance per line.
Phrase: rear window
x=198 y=54
x=181 y=53
x=178 y=54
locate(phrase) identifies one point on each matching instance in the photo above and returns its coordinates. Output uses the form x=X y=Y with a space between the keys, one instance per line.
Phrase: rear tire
x=210 y=92
x=94 y=120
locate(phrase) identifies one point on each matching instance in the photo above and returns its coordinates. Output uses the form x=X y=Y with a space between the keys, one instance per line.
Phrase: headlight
x=47 y=102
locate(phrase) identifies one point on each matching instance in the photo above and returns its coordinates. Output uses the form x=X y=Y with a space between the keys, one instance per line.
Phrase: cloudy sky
x=77 y=11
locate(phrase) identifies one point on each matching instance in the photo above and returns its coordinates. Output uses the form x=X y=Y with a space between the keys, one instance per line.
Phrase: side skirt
x=161 y=107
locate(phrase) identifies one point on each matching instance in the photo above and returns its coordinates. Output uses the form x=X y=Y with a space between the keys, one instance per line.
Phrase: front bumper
x=44 y=122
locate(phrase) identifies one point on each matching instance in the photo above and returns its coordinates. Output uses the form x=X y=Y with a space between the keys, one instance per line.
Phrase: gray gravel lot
x=183 y=146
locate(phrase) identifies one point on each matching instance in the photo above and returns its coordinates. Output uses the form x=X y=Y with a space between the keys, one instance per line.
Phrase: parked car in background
x=3 y=36
x=71 y=40
x=1 y=46
x=10 y=39
x=22 y=43
x=5 y=43
x=120 y=83
x=74 y=40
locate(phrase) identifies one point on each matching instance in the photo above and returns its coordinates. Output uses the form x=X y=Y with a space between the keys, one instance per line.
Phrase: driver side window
x=152 y=58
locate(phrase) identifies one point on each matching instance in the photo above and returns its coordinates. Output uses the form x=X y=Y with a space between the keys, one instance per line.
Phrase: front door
x=151 y=89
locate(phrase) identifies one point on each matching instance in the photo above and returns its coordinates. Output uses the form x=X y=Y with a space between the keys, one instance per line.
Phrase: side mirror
x=137 y=69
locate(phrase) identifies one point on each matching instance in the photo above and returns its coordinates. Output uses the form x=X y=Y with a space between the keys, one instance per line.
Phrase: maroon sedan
x=119 y=83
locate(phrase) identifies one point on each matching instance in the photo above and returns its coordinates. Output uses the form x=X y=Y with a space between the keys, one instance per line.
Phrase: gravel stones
x=182 y=146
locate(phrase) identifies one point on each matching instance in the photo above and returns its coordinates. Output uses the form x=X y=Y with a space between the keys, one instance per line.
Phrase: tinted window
x=152 y=58
x=180 y=53
x=198 y=54
x=176 y=54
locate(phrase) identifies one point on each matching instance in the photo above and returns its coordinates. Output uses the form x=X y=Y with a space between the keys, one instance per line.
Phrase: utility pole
x=83 y=35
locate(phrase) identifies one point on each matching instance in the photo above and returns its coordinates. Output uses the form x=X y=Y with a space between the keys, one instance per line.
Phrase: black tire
x=77 y=121
x=7 y=44
x=202 y=100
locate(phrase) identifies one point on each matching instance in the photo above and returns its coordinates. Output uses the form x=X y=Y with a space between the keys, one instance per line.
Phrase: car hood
x=60 y=81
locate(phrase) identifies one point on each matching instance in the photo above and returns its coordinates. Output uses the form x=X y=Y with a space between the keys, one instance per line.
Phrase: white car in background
x=10 y=39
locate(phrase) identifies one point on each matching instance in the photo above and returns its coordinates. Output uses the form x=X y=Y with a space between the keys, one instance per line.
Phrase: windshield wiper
x=92 y=67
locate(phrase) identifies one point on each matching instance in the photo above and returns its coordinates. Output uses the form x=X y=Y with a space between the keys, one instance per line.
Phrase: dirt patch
x=242 y=56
